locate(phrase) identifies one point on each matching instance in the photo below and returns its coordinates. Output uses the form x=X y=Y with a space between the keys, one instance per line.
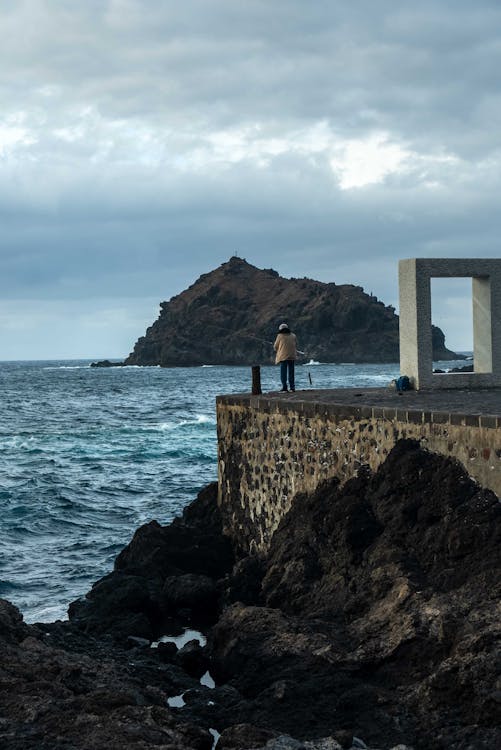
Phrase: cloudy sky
x=144 y=142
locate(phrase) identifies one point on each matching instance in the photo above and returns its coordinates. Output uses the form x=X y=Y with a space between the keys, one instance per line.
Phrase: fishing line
x=257 y=338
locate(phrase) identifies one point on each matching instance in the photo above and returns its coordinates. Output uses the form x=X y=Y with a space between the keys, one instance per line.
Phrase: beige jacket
x=285 y=347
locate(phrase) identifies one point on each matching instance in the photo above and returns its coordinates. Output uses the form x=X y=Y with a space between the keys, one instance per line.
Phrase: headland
x=230 y=316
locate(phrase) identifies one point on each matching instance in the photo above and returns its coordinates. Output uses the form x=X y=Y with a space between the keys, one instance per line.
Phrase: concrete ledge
x=355 y=403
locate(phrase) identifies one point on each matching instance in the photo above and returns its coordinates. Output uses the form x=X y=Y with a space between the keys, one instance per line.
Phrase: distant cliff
x=230 y=316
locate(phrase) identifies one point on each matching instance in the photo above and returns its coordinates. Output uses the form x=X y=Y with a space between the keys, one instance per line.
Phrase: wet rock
x=284 y=742
x=165 y=571
x=136 y=642
x=196 y=596
x=106 y=363
x=344 y=737
x=326 y=743
x=193 y=659
x=167 y=652
x=245 y=582
x=63 y=689
x=119 y=603
x=244 y=736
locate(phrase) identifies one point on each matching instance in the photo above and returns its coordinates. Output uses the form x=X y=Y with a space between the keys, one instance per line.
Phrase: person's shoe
x=292 y=390
x=283 y=390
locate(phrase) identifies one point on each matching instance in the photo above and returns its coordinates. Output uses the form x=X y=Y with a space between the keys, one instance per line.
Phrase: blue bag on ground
x=403 y=383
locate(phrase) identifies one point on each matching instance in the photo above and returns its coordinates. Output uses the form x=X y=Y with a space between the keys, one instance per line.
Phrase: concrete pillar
x=482 y=324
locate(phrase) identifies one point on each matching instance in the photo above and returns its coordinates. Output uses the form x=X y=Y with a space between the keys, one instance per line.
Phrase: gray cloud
x=142 y=143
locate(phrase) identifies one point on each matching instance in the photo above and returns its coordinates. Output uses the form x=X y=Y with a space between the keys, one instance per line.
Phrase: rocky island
x=230 y=317
x=372 y=621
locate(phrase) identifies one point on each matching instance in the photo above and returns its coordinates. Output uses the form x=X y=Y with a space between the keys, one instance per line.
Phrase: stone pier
x=274 y=446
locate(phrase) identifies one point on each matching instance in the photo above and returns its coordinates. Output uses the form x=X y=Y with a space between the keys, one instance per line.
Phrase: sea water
x=89 y=454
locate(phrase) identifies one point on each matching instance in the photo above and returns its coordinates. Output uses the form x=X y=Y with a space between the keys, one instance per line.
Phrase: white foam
x=47 y=614
x=197 y=420
x=181 y=640
x=207 y=681
x=18 y=442
x=176 y=701
x=216 y=736
x=66 y=367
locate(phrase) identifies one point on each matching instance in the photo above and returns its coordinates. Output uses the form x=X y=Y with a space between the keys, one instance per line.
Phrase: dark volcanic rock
x=298 y=677
x=231 y=315
x=375 y=615
x=382 y=612
x=165 y=573
x=61 y=691
x=106 y=363
x=193 y=659
x=244 y=736
x=197 y=594
x=411 y=525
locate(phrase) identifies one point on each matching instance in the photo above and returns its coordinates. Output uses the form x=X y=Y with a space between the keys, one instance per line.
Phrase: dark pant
x=287 y=368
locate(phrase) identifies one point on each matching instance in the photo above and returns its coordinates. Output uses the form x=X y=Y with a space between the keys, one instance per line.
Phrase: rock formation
x=374 y=616
x=61 y=690
x=230 y=316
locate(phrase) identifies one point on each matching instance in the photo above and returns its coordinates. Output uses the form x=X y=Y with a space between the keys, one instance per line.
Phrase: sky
x=144 y=142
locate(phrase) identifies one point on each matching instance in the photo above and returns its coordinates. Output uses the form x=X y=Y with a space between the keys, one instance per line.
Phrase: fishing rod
x=256 y=338
x=247 y=336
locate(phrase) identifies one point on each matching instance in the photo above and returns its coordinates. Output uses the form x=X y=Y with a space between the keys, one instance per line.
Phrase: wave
x=312 y=362
x=19 y=443
x=66 y=367
x=199 y=419
x=47 y=613
x=182 y=639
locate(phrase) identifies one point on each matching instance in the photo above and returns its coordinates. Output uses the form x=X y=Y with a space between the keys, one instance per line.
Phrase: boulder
x=196 y=596
x=165 y=573
x=193 y=659
x=243 y=736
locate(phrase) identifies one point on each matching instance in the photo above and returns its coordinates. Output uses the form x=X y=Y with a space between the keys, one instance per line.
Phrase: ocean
x=89 y=454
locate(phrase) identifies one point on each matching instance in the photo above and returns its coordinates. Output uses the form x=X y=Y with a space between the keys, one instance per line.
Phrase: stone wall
x=270 y=450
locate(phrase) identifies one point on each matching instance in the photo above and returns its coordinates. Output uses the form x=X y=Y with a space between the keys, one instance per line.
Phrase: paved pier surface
x=382 y=402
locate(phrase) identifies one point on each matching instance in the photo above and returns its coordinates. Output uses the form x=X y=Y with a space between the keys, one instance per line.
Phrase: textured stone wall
x=270 y=451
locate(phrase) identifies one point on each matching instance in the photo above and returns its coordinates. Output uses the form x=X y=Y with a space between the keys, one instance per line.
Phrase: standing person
x=286 y=348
